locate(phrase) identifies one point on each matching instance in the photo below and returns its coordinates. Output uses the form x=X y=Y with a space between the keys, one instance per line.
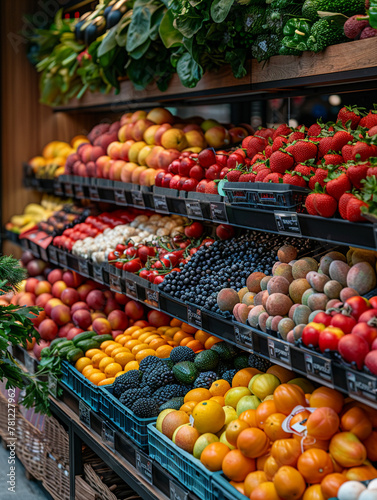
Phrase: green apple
x=203 y=441
x=247 y=403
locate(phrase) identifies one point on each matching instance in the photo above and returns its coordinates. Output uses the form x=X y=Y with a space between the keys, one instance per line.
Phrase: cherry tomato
x=158 y=279
x=131 y=252
x=152 y=276
x=194 y=230
x=144 y=273
x=143 y=252
x=132 y=266
x=119 y=265
x=111 y=256
x=120 y=248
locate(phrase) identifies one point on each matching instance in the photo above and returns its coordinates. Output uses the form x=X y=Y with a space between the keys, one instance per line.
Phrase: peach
x=72 y=279
x=165 y=157
x=97 y=314
x=118 y=320
x=63 y=331
x=126 y=118
x=31 y=284
x=38 y=319
x=69 y=296
x=79 y=305
x=125 y=149
x=82 y=170
x=114 y=150
x=195 y=138
x=151 y=159
x=106 y=170
x=136 y=174
x=174 y=138
x=179 y=125
x=143 y=153
x=138 y=115
x=102 y=164
x=55 y=275
x=141 y=323
x=237 y=134
x=172 y=421
x=48 y=329
x=160 y=115
x=84 y=290
x=185 y=437
x=126 y=173
x=134 y=310
x=149 y=134
x=134 y=150
x=85 y=152
x=207 y=124
x=147 y=177
x=51 y=304
x=217 y=137
x=91 y=169
x=105 y=140
x=73 y=332
x=42 y=299
x=158 y=318
x=37 y=349
x=121 y=299
x=116 y=333
x=35 y=267
x=192 y=126
x=116 y=169
x=96 y=152
x=61 y=315
x=101 y=326
x=96 y=300
x=159 y=133
x=139 y=128
x=111 y=305
x=82 y=319
x=57 y=288
x=27 y=299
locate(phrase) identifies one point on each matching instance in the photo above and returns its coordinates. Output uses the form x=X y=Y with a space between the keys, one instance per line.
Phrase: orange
x=197 y=395
x=87 y=370
x=236 y=466
x=219 y=387
x=180 y=335
x=289 y=483
x=92 y=352
x=97 y=358
x=175 y=322
x=164 y=351
x=131 y=343
x=119 y=374
x=272 y=427
x=107 y=381
x=253 y=442
x=218 y=399
x=82 y=363
x=144 y=353
x=119 y=337
x=313 y=492
x=239 y=486
x=265 y=491
x=123 y=358
x=188 y=407
x=119 y=349
x=261 y=461
x=209 y=416
x=263 y=411
x=149 y=339
x=213 y=455
x=96 y=378
x=132 y=365
x=170 y=332
x=250 y=417
x=104 y=362
x=195 y=345
x=202 y=336
x=139 y=348
x=188 y=329
x=253 y=480
x=109 y=349
x=112 y=369
x=186 y=340
x=172 y=343
x=106 y=344
x=235 y=427
x=211 y=341
x=156 y=343
x=324 y=396
x=243 y=377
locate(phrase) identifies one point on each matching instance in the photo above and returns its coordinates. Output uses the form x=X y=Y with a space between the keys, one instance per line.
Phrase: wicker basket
x=83 y=491
x=30 y=447
x=56 y=440
x=56 y=478
x=4 y=417
x=95 y=482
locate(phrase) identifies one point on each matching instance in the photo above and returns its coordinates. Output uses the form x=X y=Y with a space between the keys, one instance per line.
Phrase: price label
x=218 y=211
x=120 y=197
x=93 y=193
x=97 y=273
x=58 y=189
x=84 y=267
x=131 y=289
x=160 y=204
x=137 y=198
x=43 y=253
x=244 y=337
x=79 y=191
x=115 y=283
x=153 y=298
x=279 y=352
x=63 y=258
x=362 y=386
x=194 y=209
x=68 y=190
x=84 y=413
x=108 y=435
x=53 y=254
x=34 y=248
x=52 y=385
x=194 y=316
x=144 y=466
x=177 y=492
x=319 y=367
x=287 y=223
x=29 y=364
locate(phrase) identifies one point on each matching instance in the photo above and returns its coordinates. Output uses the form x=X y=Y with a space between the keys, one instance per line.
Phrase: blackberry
x=155 y=377
x=182 y=353
x=130 y=396
x=223 y=367
x=147 y=391
x=167 y=378
x=205 y=380
x=228 y=376
x=170 y=391
x=129 y=380
x=148 y=362
x=261 y=364
x=145 y=408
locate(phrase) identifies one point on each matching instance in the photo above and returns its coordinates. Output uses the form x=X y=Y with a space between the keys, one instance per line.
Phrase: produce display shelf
x=339 y=67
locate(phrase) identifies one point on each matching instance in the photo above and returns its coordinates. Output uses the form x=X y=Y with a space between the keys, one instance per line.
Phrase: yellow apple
x=134 y=150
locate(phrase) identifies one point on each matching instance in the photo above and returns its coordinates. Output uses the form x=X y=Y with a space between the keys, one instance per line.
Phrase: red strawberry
x=282 y=130
x=343 y=202
x=370 y=120
x=268 y=151
x=349 y=113
x=338 y=186
x=325 y=204
x=314 y=130
x=281 y=161
x=279 y=142
x=245 y=141
x=255 y=145
x=249 y=177
x=258 y=156
x=211 y=188
x=295 y=180
x=273 y=177
x=259 y=166
x=333 y=159
x=223 y=172
x=302 y=151
x=363 y=151
x=307 y=170
x=372 y=131
x=372 y=171
x=265 y=132
x=262 y=174
x=356 y=173
x=309 y=204
x=319 y=176
x=325 y=145
x=340 y=139
x=295 y=136
x=347 y=152
x=353 y=210
x=233 y=175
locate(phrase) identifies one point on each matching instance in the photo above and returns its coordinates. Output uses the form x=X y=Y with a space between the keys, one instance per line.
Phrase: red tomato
x=344 y=322
x=310 y=334
x=323 y=318
x=357 y=305
x=195 y=230
x=329 y=338
x=132 y=266
x=367 y=332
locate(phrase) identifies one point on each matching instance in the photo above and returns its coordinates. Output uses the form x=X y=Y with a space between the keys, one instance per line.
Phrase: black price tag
x=68 y=190
x=115 y=283
x=131 y=289
x=194 y=209
x=279 y=352
x=43 y=253
x=84 y=267
x=120 y=197
x=29 y=364
x=244 y=337
x=79 y=191
x=52 y=385
x=287 y=223
x=108 y=435
x=160 y=204
x=362 y=386
x=93 y=193
x=58 y=188
x=63 y=259
x=97 y=274
x=144 y=466
x=34 y=248
x=218 y=211
x=84 y=413
x=137 y=199
x=194 y=316
x=319 y=368
x=153 y=298
x=53 y=254
x=177 y=492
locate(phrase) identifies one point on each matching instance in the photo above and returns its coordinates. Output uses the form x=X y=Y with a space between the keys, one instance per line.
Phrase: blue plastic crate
x=223 y=490
x=183 y=466
x=135 y=427
x=80 y=385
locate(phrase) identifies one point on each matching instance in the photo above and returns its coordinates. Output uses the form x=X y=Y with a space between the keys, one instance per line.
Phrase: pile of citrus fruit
x=275 y=436
x=114 y=357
